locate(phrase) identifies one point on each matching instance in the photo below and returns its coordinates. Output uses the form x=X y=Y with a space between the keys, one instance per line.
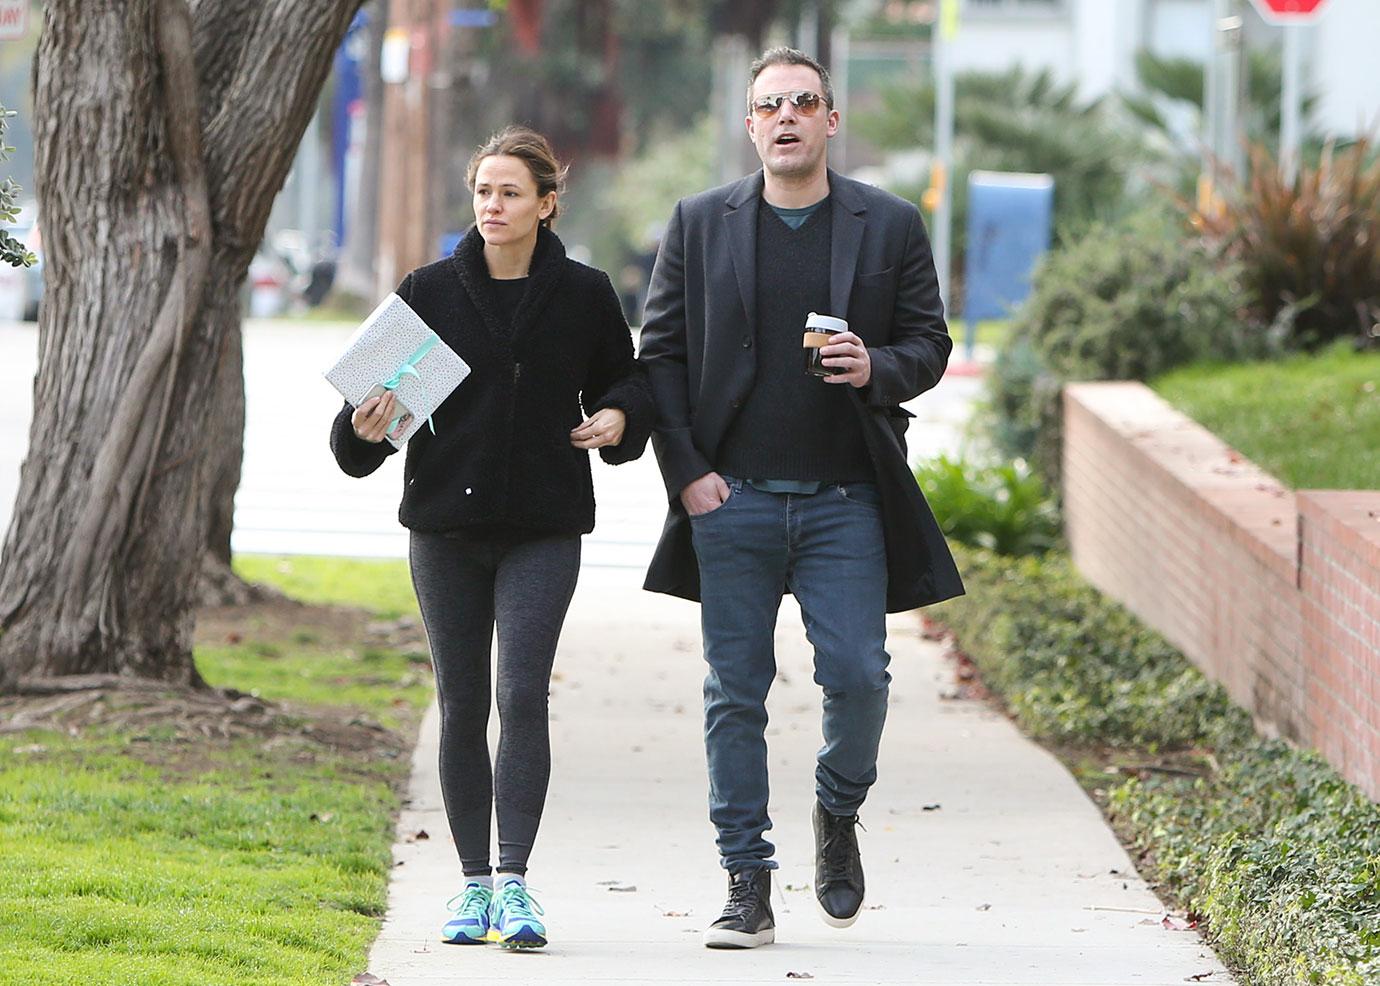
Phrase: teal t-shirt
x=795 y=218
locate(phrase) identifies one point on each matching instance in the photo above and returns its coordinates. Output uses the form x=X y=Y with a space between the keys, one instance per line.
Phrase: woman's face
x=506 y=204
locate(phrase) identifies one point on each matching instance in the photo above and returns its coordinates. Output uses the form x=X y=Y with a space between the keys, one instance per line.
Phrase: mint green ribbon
x=409 y=369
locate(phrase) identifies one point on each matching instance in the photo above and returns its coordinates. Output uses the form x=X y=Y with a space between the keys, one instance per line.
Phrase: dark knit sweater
x=501 y=457
x=793 y=425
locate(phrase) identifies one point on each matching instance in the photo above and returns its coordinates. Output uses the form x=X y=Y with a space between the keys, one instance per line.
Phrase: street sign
x=1291 y=15
x=1289 y=11
x=14 y=19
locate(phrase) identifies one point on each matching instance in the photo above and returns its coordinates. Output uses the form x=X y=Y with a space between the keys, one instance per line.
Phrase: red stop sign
x=1289 y=11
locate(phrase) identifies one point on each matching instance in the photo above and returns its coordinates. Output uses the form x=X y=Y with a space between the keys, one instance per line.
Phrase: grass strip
x=1305 y=419
x=173 y=855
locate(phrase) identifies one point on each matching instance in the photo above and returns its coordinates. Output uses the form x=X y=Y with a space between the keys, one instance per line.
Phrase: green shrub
x=1277 y=854
x=1015 y=120
x=1076 y=667
x=1123 y=303
x=1309 y=251
x=12 y=252
x=1003 y=508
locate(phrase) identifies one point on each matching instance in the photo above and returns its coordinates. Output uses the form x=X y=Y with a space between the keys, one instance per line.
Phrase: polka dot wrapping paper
x=395 y=350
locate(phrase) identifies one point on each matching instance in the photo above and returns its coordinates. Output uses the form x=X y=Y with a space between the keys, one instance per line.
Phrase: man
x=781 y=481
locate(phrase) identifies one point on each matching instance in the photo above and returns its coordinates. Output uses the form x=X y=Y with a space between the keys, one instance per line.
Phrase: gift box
x=393 y=349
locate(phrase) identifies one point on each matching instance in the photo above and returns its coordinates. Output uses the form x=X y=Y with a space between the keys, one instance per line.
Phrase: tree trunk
x=219 y=585
x=163 y=132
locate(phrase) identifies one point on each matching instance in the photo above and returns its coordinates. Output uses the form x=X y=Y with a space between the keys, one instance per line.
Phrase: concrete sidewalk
x=986 y=863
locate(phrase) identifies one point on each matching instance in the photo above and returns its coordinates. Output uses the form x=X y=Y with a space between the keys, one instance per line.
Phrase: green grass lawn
x=1312 y=421
x=992 y=333
x=382 y=586
x=161 y=856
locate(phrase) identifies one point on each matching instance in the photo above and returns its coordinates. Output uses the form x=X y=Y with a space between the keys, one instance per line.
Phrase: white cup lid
x=827 y=323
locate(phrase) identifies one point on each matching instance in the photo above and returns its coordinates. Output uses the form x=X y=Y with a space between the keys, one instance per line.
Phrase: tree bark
x=218 y=584
x=154 y=199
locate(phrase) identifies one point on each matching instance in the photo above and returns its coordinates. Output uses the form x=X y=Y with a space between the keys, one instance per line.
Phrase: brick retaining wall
x=1274 y=593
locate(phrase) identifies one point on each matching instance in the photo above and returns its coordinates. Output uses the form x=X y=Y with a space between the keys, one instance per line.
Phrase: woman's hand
x=599 y=429
x=371 y=418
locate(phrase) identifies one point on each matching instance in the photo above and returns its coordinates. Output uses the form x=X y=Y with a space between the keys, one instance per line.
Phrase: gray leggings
x=465 y=586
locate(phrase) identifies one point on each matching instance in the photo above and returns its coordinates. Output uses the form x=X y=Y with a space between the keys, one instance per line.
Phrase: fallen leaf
x=984 y=907
x=1199 y=977
x=799 y=975
x=419 y=836
x=368 y=979
x=797 y=886
x=934 y=807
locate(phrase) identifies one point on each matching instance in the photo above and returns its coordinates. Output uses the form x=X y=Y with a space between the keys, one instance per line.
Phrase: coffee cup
x=818 y=329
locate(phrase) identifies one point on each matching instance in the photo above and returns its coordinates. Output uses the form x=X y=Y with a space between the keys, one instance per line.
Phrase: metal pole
x=1232 y=153
x=1212 y=110
x=943 y=37
x=839 y=47
x=1290 y=98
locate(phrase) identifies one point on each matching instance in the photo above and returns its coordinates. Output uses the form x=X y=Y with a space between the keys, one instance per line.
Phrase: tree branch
x=253 y=135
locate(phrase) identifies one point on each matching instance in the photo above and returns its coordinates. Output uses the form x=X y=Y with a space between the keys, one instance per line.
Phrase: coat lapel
x=845 y=242
x=741 y=219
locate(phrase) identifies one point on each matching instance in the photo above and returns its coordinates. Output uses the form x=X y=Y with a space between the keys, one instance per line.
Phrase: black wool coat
x=501 y=455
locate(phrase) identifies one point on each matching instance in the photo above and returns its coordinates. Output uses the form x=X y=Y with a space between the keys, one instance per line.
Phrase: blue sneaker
x=470 y=922
x=514 y=918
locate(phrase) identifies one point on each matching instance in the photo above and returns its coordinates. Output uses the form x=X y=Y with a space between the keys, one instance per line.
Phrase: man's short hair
x=790 y=56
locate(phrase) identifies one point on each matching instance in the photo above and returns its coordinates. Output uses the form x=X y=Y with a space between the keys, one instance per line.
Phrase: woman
x=497 y=499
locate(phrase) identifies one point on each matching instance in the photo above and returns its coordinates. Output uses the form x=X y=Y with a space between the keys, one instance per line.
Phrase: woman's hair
x=535 y=151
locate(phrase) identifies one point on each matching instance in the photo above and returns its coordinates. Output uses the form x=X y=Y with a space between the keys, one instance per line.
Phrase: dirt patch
x=284 y=621
x=183 y=730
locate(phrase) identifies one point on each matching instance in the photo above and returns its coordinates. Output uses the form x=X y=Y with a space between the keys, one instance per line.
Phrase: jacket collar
x=544 y=276
x=847 y=214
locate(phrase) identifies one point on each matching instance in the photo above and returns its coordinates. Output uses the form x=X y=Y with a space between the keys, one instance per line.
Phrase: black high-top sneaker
x=838 y=867
x=747 y=919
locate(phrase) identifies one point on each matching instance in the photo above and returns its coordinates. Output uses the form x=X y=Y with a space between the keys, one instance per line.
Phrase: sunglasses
x=805 y=101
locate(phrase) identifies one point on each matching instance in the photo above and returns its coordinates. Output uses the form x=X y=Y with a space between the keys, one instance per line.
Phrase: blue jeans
x=828 y=549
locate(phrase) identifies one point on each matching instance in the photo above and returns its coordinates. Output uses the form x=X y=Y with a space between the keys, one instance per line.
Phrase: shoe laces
x=840 y=849
x=473 y=901
x=742 y=899
x=518 y=902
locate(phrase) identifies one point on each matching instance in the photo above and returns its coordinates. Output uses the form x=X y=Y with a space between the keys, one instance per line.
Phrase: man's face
x=790 y=141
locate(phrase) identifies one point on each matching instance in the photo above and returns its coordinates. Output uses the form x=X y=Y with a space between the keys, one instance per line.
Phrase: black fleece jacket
x=501 y=456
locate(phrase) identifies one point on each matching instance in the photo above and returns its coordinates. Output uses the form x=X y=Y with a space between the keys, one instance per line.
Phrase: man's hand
x=705 y=494
x=599 y=429
x=847 y=352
